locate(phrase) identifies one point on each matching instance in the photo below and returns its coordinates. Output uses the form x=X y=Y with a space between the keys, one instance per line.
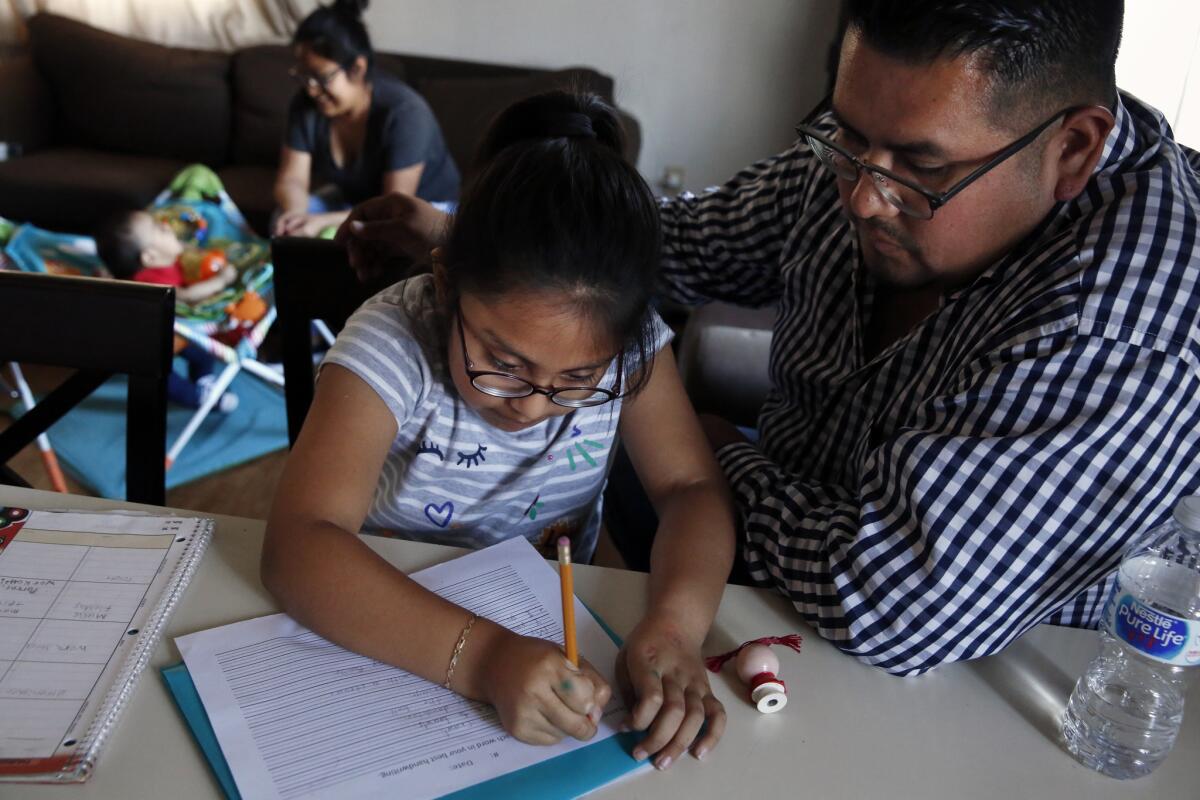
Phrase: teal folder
x=563 y=777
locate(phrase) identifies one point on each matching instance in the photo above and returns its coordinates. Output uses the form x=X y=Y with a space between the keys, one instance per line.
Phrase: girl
x=362 y=132
x=482 y=402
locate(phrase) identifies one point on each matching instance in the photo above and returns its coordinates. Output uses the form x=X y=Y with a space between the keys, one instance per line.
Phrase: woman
x=355 y=132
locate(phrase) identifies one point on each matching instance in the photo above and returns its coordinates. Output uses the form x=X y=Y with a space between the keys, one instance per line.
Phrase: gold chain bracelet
x=458 y=648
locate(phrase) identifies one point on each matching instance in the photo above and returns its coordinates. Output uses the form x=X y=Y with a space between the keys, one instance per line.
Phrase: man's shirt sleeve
x=728 y=242
x=1009 y=496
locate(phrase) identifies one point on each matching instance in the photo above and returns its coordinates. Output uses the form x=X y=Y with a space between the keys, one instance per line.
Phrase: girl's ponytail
x=553 y=115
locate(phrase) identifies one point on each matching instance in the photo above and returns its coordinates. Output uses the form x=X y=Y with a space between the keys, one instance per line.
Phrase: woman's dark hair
x=337 y=32
x=555 y=207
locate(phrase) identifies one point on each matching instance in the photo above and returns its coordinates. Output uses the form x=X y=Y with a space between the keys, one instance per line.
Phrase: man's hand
x=383 y=229
x=720 y=431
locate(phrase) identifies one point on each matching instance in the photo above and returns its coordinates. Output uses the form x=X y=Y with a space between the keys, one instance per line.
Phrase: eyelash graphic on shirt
x=432 y=449
x=472 y=459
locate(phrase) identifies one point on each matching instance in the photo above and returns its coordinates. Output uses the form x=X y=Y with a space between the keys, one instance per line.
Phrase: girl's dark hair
x=337 y=32
x=555 y=207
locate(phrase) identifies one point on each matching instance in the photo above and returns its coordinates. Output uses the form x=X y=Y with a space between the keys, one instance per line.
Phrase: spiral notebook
x=84 y=598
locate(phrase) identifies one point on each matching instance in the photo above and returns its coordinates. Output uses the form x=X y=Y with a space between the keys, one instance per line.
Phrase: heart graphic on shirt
x=440 y=515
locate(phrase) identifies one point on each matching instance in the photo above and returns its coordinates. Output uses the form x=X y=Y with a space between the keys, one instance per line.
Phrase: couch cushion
x=119 y=94
x=465 y=106
x=262 y=92
x=72 y=189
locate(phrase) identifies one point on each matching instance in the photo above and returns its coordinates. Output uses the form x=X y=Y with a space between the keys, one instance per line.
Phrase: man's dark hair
x=118 y=245
x=1038 y=53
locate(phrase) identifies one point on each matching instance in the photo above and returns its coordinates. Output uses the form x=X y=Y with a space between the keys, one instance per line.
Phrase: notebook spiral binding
x=135 y=662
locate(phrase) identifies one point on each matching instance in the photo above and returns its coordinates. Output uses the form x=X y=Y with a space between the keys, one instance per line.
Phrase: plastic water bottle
x=1125 y=712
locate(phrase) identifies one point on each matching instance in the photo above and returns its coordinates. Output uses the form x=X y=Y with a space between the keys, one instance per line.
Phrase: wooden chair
x=100 y=328
x=313 y=281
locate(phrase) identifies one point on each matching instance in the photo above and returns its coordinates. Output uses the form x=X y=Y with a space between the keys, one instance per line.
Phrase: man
x=985 y=362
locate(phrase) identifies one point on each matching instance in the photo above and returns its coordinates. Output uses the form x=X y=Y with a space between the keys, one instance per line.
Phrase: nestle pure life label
x=1160 y=636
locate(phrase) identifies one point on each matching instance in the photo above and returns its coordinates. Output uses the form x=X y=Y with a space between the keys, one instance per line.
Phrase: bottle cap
x=1187 y=512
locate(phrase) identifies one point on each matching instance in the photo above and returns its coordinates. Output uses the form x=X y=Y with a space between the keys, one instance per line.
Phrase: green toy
x=197 y=182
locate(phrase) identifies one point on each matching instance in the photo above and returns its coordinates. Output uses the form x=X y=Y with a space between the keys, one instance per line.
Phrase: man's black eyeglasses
x=903 y=193
x=502 y=384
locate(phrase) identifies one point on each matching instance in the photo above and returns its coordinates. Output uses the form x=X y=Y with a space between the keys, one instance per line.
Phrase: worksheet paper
x=75 y=590
x=297 y=716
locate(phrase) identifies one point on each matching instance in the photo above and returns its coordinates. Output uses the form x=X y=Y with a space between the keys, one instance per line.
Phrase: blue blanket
x=90 y=440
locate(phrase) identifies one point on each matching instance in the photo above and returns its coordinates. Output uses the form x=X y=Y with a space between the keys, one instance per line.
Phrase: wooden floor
x=243 y=491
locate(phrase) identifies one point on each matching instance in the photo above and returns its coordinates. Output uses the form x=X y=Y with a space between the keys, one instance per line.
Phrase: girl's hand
x=662 y=670
x=539 y=694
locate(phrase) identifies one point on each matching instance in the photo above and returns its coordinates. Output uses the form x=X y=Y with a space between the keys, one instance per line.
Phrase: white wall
x=1159 y=61
x=715 y=84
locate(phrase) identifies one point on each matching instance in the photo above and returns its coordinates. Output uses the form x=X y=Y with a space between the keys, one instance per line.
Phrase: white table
x=986 y=729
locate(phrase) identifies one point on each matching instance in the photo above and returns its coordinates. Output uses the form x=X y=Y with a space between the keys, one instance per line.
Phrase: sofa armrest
x=723 y=357
x=28 y=105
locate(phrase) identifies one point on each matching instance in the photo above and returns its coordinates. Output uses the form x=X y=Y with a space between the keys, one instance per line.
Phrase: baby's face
x=159 y=246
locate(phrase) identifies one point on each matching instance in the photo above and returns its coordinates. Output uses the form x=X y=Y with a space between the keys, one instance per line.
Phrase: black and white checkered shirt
x=983 y=473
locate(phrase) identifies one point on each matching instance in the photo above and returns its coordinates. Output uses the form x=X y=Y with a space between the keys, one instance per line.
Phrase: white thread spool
x=758 y=668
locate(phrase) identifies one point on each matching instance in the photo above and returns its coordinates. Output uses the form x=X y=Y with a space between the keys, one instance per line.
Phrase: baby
x=136 y=246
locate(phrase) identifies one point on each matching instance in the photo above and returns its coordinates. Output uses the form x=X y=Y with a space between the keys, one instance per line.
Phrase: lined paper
x=71 y=586
x=297 y=716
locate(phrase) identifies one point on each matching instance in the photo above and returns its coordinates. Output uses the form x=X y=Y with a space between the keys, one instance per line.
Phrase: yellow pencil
x=568 y=599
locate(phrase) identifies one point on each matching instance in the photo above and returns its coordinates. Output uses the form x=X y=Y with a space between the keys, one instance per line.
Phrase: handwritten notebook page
x=297 y=716
x=73 y=589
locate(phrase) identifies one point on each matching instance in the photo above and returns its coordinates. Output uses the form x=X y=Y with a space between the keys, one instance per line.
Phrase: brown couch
x=105 y=121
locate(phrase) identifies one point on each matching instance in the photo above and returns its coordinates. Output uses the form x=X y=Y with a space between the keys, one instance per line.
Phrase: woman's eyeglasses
x=502 y=384
x=307 y=80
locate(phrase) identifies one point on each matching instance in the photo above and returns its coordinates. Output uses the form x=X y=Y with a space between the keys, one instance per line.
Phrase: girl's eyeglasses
x=502 y=384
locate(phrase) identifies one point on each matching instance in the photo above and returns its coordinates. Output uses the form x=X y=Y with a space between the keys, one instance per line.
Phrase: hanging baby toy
x=758 y=668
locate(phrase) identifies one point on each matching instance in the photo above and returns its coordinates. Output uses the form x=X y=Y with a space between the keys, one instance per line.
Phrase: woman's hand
x=290 y=223
x=663 y=679
x=539 y=694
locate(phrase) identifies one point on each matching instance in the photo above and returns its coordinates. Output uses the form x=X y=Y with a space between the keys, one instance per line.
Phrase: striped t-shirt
x=450 y=477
